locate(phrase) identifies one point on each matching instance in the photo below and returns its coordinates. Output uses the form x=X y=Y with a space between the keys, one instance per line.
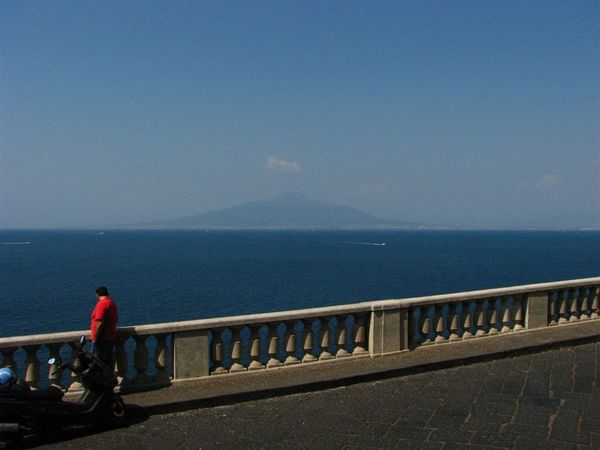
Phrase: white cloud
x=549 y=181
x=274 y=163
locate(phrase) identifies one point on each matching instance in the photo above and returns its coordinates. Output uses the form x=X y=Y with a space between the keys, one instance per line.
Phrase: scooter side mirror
x=52 y=361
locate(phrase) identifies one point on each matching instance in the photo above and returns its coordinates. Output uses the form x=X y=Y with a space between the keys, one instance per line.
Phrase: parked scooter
x=24 y=411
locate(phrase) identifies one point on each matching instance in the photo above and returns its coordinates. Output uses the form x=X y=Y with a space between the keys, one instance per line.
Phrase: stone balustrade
x=157 y=354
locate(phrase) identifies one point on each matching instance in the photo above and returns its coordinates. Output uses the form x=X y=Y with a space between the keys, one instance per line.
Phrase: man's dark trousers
x=105 y=351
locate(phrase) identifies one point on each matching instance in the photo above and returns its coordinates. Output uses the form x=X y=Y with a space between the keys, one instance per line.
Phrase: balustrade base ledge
x=126 y=389
x=382 y=354
x=198 y=392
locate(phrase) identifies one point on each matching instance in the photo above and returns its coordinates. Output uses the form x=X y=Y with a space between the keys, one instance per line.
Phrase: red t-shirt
x=106 y=311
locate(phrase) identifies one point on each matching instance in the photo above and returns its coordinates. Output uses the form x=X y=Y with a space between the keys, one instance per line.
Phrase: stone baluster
x=440 y=325
x=236 y=351
x=507 y=314
x=563 y=307
x=53 y=374
x=325 y=340
x=467 y=320
x=32 y=366
x=121 y=361
x=255 y=363
x=595 y=293
x=574 y=310
x=341 y=336
x=518 y=311
x=584 y=302
x=273 y=349
x=455 y=311
x=75 y=385
x=426 y=328
x=217 y=354
x=140 y=360
x=7 y=358
x=359 y=334
x=414 y=331
x=493 y=318
x=568 y=302
x=161 y=359
x=308 y=343
x=290 y=344
x=482 y=322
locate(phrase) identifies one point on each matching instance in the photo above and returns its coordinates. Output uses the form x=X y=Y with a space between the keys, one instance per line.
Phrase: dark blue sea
x=48 y=278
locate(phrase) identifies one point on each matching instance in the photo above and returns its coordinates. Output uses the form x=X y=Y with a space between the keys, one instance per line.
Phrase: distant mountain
x=292 y=210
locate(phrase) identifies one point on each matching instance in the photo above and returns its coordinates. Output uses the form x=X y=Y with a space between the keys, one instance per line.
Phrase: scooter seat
x=51 y=393
x=16 y=392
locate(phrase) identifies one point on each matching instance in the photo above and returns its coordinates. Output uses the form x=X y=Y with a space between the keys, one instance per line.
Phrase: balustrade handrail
x=482 y=294
x=286 y=316
x=39 y=339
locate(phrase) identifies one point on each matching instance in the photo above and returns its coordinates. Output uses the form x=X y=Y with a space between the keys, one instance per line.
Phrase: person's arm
x=98 y=331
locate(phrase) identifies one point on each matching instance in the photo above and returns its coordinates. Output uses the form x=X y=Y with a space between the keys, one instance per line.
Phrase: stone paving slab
x=544 y=400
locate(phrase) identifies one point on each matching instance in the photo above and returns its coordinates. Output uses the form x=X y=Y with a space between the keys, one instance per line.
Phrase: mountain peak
x=288 y=211
x=292 y=198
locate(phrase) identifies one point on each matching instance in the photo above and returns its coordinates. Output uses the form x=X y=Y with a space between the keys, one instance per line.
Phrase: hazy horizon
x=473 y=114
x=165 y=226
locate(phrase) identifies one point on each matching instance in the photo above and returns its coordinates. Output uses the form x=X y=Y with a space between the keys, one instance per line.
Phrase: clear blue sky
x=469 y=113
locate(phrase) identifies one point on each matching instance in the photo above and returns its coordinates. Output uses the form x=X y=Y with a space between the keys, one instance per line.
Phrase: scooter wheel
x=115 y=413
x=7 y=442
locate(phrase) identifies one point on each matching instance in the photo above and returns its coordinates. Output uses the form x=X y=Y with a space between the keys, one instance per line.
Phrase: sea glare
x=48 y=278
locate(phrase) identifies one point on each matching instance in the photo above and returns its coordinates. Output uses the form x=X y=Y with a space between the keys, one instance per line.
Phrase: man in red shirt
x=103 y=331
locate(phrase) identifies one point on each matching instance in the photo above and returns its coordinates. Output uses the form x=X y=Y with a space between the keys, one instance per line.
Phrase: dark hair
x=102 y=291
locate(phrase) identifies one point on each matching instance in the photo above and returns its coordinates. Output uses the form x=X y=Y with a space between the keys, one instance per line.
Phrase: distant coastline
x=100 y=230
x=296 y=212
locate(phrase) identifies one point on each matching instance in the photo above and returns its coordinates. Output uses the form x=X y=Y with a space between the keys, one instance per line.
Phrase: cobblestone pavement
x=547 y=400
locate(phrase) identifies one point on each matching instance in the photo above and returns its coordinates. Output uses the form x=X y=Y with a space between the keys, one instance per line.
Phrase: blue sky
x=468 y=113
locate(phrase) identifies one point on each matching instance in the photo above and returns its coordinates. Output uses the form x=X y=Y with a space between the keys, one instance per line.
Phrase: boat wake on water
x=376 y=244
x=15 y=243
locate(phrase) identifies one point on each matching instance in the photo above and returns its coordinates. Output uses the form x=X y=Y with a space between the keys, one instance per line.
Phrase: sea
x=48 y=278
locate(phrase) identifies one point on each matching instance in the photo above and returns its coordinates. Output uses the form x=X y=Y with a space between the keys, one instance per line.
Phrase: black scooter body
x=23 y=410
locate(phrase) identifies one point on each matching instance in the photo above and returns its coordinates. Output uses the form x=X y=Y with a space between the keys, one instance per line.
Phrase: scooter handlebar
x=63 y=367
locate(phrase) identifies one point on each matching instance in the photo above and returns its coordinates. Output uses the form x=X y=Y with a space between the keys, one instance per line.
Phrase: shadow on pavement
x=230 y=399
x=135 y=415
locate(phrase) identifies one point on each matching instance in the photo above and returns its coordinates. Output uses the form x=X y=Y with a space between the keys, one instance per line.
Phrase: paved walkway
x=545 y=400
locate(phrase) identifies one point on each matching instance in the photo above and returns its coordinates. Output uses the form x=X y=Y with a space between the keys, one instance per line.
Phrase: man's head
x=102 y=292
